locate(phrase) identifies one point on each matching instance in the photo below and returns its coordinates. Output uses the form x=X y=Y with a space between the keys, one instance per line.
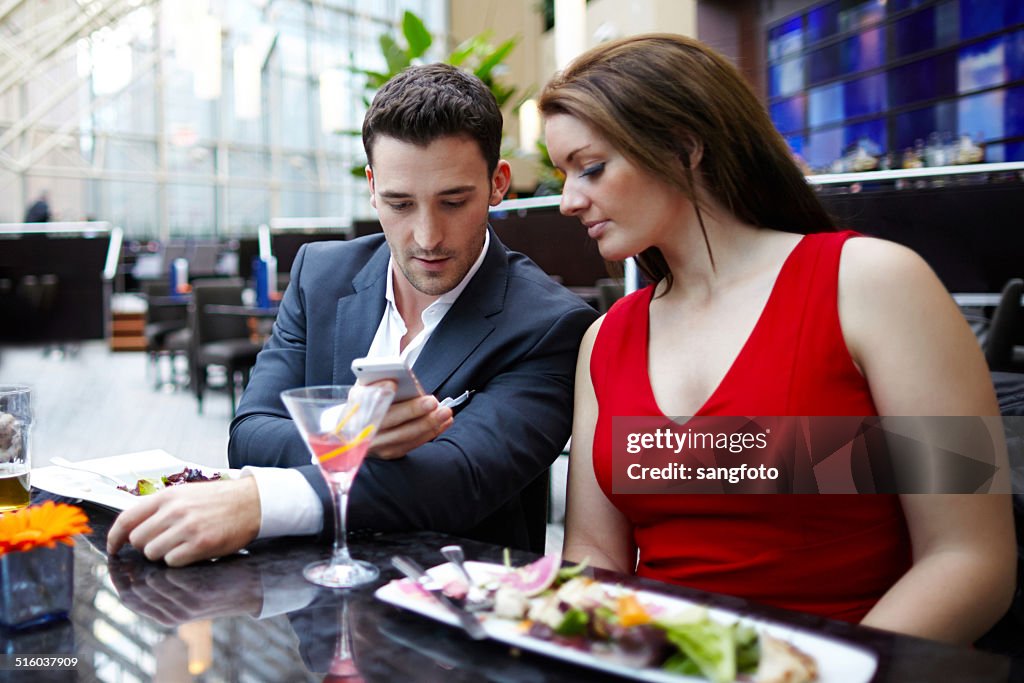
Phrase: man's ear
x=500 y=182
x=369 y=182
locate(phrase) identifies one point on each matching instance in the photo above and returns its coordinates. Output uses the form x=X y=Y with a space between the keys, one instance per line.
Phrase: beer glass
x=15 y=460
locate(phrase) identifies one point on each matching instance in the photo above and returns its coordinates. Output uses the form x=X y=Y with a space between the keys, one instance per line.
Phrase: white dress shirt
x=288 y=504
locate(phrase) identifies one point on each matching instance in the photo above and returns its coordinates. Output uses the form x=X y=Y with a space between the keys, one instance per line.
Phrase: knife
x=469 y=623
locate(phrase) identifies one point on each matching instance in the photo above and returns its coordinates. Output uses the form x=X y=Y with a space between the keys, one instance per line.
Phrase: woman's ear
x=691 y=152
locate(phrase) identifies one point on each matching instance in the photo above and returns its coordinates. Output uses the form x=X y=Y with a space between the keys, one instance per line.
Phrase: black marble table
x=252 y=617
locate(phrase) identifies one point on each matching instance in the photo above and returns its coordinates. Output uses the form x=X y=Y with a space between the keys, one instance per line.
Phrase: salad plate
x=837 y=661
x=128 y=467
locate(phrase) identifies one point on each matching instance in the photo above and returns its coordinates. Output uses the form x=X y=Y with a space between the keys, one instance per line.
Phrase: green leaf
x=396 y=57
x=416 y=35
x=574 y=623
x=710 y=645
x=496 y=57
x=149 y=486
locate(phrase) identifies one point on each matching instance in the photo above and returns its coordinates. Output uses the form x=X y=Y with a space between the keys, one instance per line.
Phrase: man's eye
x=455 y=205
x=400 y=206
x=593 y=170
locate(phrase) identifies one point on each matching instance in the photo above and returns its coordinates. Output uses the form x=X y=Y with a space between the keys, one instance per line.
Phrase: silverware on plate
x=68 y=465
x=469 y=623
x=477 y=598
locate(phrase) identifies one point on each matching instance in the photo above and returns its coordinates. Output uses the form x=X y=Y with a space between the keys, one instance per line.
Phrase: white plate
x=838 y=662
x=129 y=468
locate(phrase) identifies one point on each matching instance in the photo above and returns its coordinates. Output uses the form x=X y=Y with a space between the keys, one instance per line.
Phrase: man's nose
x=429 y=231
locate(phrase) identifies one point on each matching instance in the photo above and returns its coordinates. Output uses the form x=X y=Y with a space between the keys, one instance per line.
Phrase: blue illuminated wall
x=895 y=71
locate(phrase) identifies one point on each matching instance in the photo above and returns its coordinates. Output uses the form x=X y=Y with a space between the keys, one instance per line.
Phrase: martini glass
x=338 y=424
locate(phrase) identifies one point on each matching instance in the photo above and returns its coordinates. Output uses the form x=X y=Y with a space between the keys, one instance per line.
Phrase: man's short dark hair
x=424 y=103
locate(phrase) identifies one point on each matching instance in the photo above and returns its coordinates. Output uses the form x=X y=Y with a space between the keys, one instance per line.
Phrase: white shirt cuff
x=288 y=504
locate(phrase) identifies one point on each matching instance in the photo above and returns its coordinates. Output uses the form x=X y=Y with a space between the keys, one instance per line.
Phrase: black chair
x=536 y=499
x=609 y=290
x=1001 y=349
x=219 y=339
x=166 y=329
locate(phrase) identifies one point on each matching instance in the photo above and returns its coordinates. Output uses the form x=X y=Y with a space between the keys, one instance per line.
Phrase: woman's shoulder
x=873 y=266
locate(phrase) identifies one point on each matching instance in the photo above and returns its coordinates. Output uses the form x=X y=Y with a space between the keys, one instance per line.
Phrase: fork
x=68 y=465
x=476 y=597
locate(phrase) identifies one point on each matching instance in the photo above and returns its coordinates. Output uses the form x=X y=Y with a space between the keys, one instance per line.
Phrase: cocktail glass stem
x=340 y=556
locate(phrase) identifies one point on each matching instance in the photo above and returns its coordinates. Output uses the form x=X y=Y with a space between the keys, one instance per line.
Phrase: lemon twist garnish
x=359 y=438
x=348 y=416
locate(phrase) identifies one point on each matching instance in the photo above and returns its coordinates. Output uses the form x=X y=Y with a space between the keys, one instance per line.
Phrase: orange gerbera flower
x=41 y=525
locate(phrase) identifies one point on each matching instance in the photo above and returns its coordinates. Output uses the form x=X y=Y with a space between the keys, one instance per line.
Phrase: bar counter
x=252 y=617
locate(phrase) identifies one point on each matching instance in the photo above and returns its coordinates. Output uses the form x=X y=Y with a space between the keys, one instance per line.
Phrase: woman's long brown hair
x=676 y=108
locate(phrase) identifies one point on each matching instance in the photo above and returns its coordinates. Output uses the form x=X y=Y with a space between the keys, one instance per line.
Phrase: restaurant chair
x=535 y=499
x=609 y=290
x=219 y=339
x=166 y=328
x=1001 y=343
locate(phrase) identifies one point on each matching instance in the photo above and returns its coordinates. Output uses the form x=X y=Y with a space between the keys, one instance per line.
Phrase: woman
x=759 y=308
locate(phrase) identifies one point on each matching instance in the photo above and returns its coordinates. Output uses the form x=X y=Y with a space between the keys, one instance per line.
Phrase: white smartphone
x=368 y=370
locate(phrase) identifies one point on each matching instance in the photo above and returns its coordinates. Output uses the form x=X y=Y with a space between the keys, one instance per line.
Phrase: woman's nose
x=572 y=201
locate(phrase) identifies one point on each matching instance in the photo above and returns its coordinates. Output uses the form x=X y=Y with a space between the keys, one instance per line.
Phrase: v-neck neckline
x=769 y=302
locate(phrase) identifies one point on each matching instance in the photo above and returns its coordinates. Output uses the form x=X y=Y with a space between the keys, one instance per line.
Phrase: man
x=39 y=211
x=440 y=289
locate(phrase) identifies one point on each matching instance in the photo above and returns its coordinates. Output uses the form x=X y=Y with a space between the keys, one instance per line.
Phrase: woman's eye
x=592 y=170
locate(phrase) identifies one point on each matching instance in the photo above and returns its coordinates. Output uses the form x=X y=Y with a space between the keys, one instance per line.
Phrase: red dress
x=832 y=555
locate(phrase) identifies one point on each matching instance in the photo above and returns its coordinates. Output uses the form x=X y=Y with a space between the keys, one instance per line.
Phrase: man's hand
x=191 y=522
x=410 y=424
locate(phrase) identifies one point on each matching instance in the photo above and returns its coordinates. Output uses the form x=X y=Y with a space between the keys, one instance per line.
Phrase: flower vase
x=36 y=586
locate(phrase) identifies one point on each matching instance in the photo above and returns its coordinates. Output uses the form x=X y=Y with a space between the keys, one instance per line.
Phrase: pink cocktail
x=338 y=424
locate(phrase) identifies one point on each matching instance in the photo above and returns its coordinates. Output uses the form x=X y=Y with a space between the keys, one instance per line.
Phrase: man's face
x=432 y=202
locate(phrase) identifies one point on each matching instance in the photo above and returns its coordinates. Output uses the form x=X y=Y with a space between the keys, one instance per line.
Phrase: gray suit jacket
x=512 y=338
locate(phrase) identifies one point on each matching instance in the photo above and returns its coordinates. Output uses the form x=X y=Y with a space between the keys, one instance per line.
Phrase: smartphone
x=368 y=370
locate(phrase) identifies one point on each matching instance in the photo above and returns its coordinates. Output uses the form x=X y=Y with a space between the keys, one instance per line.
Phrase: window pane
x=796 y=144
x=870 y=135
x=982 y=114
x=787 y=78
x=826 y=105
x=1014 y=151
x=788 y=115
x=947 y=23
x=1015 y=112
x=978 y=17
x=923 y=80
x=982 y=65
x=824 y=147
x=824 y=64
x=191 y=209
x=914 y=33
x=1015 y=55
x=865 y=96
x=864 y=51
x=785 y=39
x=865 y=13
x=822 y=22
x=900 y=5
x=920 y=123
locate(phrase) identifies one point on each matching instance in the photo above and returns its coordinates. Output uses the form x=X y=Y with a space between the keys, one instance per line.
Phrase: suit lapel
x=467 y=324
x=359 y=314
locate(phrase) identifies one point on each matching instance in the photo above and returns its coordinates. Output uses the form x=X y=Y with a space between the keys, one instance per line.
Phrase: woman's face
x=625 y=208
